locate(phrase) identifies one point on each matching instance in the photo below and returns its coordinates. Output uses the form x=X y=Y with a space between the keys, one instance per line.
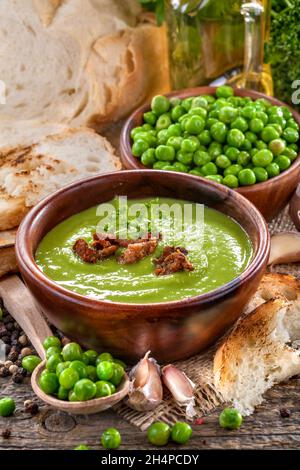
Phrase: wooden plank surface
x=51 y=429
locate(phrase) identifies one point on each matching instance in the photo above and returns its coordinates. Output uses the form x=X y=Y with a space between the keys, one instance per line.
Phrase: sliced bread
x=262 y=348
x=29 y=173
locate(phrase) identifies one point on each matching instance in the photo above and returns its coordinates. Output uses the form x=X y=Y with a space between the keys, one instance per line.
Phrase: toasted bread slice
x=8 y=262
x=262 y=348
x=28 y=174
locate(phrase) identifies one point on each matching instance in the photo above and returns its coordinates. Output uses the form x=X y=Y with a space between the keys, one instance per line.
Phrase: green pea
x=177 y=112
x=277 y=146
x=168 y=167
x=200 y=102
x=261 y=174
x=52 y=350
x=283 y=162
x=105 y=370
x=262 y=158
x=273 y=170
x=111 y=439
x=72 y=352
x=230 y=418
x=91 y=373
x=246 y=145
x=244 y=158
x=194 y=125
x=277 y=127
x=290 y=135
x=117 y=376
x=260 y=145
x=220 y=103
x=201 y=158
x=219 y=132
x=248 y=112
x=104 y=389
x=246 y=177
x=291 y=123
x=150 y=118
x=163 y=122
x=214 y=150
x=209 y=169
x=190 y=145
x=30 y=362
x=174 y=130
x=7 y=406
x=181 y=432
x=256 y=125
x=232 y=153
x=263 y=117
x=61 y=366
x=135 y=131
x=184 y=157
x=148 y=157
x=235 y=138
x=294 y=147
x=160 y=105
x=48 y=382
x=85 y=389
x=89 y=357
x=121 y=363
x=158 y=434
x=224 y=91
x=290 y=153
x=139 y=147
x=105 y=356
x=209 y=98
x=204 y=137
x=165 y=153
x=175 y=142
x=233 y=170
x=231 y=181
x=82 y=447
x=264 y=103
x=215 y=178
x=196 y=172
x=62 y=393
x=68 y=378
x=198 y=112
x=269 y=133
x=228 y=114
x=147 y=127
x=80 y=368
x=162 y=137
x=178 y=166
x=53 y=362
x=72 y=397
x=187 y=103
x=210 y=122
x=51 y=341
x=240 y=123
x=275 y=119
x=175 y=101
x=253 y=151
x=223 y=162
x=275 y=111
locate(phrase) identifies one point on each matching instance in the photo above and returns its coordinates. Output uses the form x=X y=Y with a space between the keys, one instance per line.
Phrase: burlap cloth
x=199 y=368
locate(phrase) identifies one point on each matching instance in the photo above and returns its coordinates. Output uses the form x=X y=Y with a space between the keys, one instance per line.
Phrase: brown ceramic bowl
x=269 y=197
x=172 y=330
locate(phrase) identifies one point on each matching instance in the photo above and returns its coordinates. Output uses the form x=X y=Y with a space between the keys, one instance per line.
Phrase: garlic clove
x=295 y=208
x=181 y=387
x=285 y=248
x=145 y=392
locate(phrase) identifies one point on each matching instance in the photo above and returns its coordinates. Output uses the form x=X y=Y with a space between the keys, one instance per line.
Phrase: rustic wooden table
x=52 y=429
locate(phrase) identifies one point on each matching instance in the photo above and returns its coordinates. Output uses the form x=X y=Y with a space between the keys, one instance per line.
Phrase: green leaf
x=160 y=12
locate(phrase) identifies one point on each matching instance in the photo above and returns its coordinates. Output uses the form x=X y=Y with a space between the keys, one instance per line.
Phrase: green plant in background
x=283 y=52
x=157 y=6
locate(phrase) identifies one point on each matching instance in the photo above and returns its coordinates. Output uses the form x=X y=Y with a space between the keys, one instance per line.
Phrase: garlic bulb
x=145 y=392
x=181 y=387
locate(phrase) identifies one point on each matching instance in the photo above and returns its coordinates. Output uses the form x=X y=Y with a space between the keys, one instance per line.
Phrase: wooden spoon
x=18 y=301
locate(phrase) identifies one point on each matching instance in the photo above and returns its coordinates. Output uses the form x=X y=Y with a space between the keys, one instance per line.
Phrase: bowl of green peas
x=242 y=139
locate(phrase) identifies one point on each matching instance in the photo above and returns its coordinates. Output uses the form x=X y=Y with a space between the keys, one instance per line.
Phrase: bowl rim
x=125 y=147
x=26 y=261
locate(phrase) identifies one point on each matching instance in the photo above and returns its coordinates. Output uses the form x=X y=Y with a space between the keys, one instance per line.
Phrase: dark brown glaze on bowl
x=173 y=330
x=269 y=197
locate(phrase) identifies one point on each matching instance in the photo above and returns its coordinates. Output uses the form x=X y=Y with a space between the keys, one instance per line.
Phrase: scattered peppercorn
x=285 y=413
x=31 y=407
x=6 y=433
x=4 y=372
x=17 y=378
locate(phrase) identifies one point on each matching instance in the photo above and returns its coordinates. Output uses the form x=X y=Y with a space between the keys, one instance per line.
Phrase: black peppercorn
x=22 y=371
x=31 y=407
x=285 y=413
x=6 y=339
x=4 y=372
x=13 y=355
x=6 y=434
x=17 y=378
x=3 y=330
x=9 y=326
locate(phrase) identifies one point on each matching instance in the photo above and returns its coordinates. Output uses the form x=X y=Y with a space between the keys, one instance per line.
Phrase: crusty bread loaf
x=262 y=348
x=29 y=173
x=79 y=62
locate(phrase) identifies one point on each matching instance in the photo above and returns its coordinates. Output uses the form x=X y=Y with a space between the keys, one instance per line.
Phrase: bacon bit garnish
x=199 y=421
x=96 y=253
x=172 y=260
x=137 y=251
